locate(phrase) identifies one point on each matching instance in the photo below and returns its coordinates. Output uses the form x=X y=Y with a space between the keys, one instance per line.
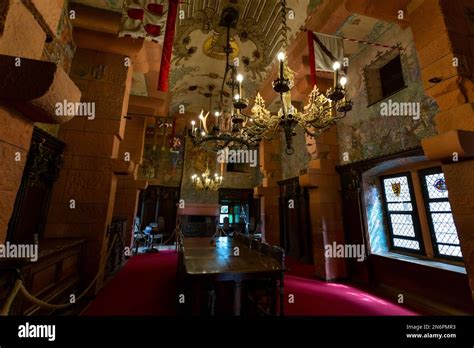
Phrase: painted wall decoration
x=62 y=48
x=365 y=133
x=299 y=160
x=195 y=163
x=161 y=167
x=163 y=156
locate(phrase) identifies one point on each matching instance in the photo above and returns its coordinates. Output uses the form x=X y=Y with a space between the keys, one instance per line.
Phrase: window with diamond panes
x=402 y=218
x=443 y=230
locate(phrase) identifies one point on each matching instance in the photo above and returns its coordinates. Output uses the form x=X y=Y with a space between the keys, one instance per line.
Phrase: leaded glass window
x=402 y=218
x=440 y=218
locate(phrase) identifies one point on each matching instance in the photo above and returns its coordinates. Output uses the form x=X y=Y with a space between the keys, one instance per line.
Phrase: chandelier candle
x=281 y=58
x=336 y=66
x=240 y=78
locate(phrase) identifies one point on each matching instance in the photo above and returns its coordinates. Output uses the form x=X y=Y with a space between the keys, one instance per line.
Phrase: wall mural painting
x=163 y=158
x=365 y=133
x=300 y=159
x=62 y=48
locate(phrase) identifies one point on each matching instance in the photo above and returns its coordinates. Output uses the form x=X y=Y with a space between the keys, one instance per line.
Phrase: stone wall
x=15 y=138
x=21 y=36
x=444 y=31
x=92 y=158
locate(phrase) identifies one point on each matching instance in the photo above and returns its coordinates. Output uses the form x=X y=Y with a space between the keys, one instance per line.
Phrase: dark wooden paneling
x=157 y=201
x=44 y=161
x=429 y=289
x=295 y=223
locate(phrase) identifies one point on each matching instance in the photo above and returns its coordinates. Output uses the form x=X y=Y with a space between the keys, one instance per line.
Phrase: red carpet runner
x=147 y=286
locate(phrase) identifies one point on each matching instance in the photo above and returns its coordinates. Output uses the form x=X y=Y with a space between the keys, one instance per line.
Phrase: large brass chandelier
x=234 y=128
x=225 y=127
x=322 y=110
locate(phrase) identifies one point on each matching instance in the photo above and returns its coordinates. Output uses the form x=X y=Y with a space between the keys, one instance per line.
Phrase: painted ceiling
x=109 y=5
x=198 y=61
x=362 y=28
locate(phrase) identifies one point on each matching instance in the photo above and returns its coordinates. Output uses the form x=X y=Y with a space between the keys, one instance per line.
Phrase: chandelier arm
x=272 y=134
x=314 y=135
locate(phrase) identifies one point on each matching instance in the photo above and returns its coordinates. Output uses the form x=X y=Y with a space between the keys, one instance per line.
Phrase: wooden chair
x=254 y=244
x=237 y=237
x=265 y=292
x=279 y=254
x=265 y=248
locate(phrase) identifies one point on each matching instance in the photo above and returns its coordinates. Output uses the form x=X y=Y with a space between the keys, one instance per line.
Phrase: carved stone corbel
x=35 y=87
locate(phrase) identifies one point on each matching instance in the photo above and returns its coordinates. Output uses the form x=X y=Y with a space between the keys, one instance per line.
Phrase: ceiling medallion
x=213 y=49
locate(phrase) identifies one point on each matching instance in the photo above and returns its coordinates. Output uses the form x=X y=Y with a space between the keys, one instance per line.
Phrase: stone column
x=270 y=167
x=325 y=207
x=444 y=34
x=128 y=187
x=83 y=199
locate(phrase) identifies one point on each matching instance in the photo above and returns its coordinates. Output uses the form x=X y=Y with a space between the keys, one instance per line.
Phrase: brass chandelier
x=205 y=181
x=228 y=130
x=234 y=128
x=322 y=110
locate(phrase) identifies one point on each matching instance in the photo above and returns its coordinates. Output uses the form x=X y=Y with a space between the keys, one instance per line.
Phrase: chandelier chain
x=284 y=28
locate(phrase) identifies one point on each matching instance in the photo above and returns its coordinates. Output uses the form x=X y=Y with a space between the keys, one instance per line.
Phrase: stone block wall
x=92 y=156
x=444 y=33
x=21 y=36
x=15 y=138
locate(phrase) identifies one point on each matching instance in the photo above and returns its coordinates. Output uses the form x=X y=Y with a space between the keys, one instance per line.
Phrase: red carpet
x=314 y=297
x=147 y=286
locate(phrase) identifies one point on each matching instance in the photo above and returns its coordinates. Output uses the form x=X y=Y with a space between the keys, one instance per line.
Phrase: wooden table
x=228 y=261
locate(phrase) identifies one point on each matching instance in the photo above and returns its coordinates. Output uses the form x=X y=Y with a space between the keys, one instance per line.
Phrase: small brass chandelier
x=206 y=181
x=322 y=110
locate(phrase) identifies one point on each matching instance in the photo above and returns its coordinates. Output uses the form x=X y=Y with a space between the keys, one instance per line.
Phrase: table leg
x=211 y=299
x=237 y=297
x=282 y=294
x=273 y=295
